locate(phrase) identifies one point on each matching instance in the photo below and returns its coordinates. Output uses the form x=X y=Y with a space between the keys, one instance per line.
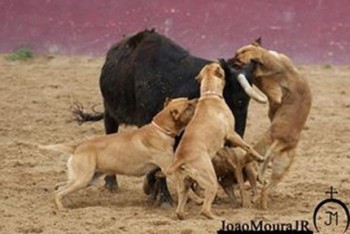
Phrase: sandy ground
x=36 y=96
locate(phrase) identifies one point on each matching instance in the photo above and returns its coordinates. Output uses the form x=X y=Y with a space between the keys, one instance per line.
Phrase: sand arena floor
x=36 y=96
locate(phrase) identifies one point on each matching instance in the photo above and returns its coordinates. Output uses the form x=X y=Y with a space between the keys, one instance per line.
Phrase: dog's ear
x=166 y=102
x=258 y=61
x=175 y=113
x=198 y=78
x=218 y=72
x=193 y=102
x=268 y=66
x=257 y=42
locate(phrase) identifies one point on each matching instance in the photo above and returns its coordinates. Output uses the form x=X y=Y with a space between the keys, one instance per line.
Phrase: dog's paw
x=246 y=204
x=259 y=158
x=263 y=204
x=210 y=215
x=261 y=180
x=180 y=215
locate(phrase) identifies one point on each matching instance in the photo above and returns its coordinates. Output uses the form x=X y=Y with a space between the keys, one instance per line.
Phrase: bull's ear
x=166 y=102
x=257 y=42
x=175 y=113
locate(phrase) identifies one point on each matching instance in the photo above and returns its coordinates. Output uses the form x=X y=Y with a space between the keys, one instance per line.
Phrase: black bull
x=140 y=72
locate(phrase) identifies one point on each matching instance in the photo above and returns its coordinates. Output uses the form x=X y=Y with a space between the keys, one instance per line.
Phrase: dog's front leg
x=238 y=170
x=235 y=140
x=244 y=196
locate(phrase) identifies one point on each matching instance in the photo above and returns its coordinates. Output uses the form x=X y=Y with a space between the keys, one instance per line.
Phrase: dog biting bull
x=142 y=70
x=290 y=101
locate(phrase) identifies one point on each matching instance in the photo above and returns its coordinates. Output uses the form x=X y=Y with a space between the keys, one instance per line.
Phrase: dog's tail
x=64 y=148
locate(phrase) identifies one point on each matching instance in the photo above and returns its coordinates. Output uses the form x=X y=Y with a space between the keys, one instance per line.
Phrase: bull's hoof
x=165 y=199
x=159 y=194
x=111 y=183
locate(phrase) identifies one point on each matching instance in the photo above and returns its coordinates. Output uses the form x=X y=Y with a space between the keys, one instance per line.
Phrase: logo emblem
x=332 y=217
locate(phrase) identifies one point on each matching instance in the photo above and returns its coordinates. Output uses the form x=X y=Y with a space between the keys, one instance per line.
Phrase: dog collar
x=168 y=133
x=212 y=93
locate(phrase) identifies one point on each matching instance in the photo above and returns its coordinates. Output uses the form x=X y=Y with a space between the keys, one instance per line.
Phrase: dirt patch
x=35 y=99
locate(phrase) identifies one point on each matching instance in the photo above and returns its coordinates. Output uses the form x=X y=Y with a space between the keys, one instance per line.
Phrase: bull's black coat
x=142 y=70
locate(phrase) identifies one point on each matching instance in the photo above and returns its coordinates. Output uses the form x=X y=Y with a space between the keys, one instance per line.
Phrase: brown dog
x=289 y=98
x=233 y=167
x=210 y=128
x=129 y=153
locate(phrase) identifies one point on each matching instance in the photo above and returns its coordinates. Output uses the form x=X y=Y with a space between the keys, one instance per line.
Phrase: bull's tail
x=64 y=148
x=81 y=116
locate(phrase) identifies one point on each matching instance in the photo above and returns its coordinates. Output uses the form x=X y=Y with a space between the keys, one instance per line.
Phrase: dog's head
x=181 y=110
x=268 y=62
x=212 y=75
x=248 y=53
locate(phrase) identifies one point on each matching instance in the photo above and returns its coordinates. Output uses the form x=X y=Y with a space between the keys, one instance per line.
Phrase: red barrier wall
x=309 y=31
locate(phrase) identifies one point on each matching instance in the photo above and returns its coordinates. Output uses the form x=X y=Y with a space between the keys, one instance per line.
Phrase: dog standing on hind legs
x=132 y=153
x=209 y=130
x=290 y=100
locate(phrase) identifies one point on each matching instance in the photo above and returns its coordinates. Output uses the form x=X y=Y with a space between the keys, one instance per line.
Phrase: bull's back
x=141 y=71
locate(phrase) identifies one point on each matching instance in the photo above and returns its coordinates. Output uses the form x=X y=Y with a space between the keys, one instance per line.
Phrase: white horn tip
x=261 y=98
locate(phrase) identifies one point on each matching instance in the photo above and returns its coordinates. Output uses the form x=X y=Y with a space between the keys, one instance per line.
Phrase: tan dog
x=232 y=167
x=210 y=128
x=289 y=98
x=129 y=153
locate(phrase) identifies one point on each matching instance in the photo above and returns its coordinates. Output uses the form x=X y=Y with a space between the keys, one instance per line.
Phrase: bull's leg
x=155 y=185
x=150 y=182
x=111 y=126
x=164 y=194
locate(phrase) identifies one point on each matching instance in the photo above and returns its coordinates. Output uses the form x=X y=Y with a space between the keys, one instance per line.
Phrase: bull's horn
x=249 y=90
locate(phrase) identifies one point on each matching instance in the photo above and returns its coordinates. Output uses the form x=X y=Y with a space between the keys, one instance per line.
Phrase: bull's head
x=240 y=73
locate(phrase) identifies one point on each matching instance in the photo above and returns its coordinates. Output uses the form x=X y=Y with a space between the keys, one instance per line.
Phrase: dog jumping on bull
x=139 y=73
x=208 y=131
x=289 y=98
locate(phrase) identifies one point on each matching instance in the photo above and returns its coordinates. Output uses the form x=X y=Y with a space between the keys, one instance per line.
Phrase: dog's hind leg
x=69 y=188
x=183 y=188
x=272 y=151
x=80 y=173
x=208 y=181
x=280 y=167
x=202 y=171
